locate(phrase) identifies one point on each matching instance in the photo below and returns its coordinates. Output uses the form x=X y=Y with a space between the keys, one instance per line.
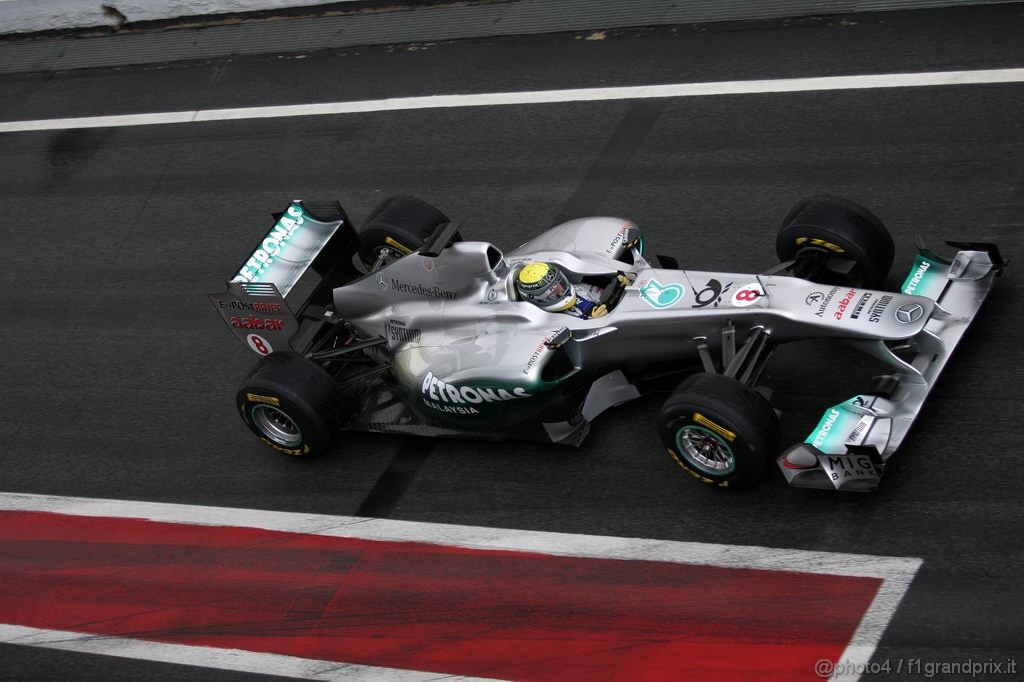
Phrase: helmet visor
x=546 y=286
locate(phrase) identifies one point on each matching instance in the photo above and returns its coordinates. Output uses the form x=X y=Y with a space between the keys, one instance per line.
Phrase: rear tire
x=291 y=404
x=841 y=229
x=719 y=431
x=399 y=223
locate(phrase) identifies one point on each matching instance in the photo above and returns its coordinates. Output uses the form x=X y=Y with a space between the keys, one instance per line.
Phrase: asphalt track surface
x=118 y=377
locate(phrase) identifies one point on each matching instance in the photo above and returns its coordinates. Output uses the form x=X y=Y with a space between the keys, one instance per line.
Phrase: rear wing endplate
x=258 y=315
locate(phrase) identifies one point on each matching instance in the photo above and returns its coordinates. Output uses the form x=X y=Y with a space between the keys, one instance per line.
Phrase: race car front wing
x=853 y=441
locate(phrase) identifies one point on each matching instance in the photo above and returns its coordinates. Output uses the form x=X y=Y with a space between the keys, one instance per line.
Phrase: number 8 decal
x=259 y=344
x=748 y=294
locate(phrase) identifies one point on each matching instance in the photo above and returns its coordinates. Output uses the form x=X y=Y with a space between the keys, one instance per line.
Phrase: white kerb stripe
x=474 y=537
x=896 y=573
x=212 y=657
x=896 y=80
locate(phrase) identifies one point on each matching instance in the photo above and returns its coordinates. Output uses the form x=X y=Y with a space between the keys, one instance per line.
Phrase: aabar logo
x=253 y=322
x=844 y=303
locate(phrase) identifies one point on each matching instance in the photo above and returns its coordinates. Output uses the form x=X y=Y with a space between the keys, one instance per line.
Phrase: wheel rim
x=705 y=450
x=276 y=425
x=385 y=255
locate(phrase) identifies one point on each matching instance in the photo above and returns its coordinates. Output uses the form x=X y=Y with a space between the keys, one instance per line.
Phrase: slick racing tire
x=719 y=431
x=291 y=404
x=399 y=223
x=842 y=229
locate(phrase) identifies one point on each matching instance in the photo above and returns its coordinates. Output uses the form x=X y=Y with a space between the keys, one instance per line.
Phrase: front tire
x=719 y=431
x=291 y=404
x=840 y=229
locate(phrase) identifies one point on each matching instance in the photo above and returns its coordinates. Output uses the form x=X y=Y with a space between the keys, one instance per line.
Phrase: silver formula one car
x=406 y=328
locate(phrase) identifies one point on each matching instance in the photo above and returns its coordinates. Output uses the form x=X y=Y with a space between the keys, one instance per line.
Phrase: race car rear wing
x=292 y=245
x=307 y=236
x=853 y=441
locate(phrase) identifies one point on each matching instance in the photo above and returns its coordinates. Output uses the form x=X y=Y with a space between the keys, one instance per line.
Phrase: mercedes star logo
x=381 y=282
x=909 y=312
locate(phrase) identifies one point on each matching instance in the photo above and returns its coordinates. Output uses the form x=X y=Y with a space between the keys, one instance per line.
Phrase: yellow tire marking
x=820 y=242
x=391 y=242
x=720 y=430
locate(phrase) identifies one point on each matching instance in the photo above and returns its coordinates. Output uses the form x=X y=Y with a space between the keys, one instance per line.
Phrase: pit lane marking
x=894 y=573
x=756 y=87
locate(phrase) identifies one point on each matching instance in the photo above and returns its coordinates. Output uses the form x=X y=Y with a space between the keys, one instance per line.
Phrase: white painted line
x=896 y=573
x=210 y=657
x=895 y=80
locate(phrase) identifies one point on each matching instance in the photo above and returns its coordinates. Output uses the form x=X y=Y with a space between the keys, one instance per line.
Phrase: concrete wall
x=26 y=16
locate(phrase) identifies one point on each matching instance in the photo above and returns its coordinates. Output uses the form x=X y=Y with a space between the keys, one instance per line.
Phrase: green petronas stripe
x=927 y=277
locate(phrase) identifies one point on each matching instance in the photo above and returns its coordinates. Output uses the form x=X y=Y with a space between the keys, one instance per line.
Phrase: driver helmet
x=547 y=287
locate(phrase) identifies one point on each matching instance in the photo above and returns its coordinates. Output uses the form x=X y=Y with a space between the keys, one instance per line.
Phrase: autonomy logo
x=660 y=295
